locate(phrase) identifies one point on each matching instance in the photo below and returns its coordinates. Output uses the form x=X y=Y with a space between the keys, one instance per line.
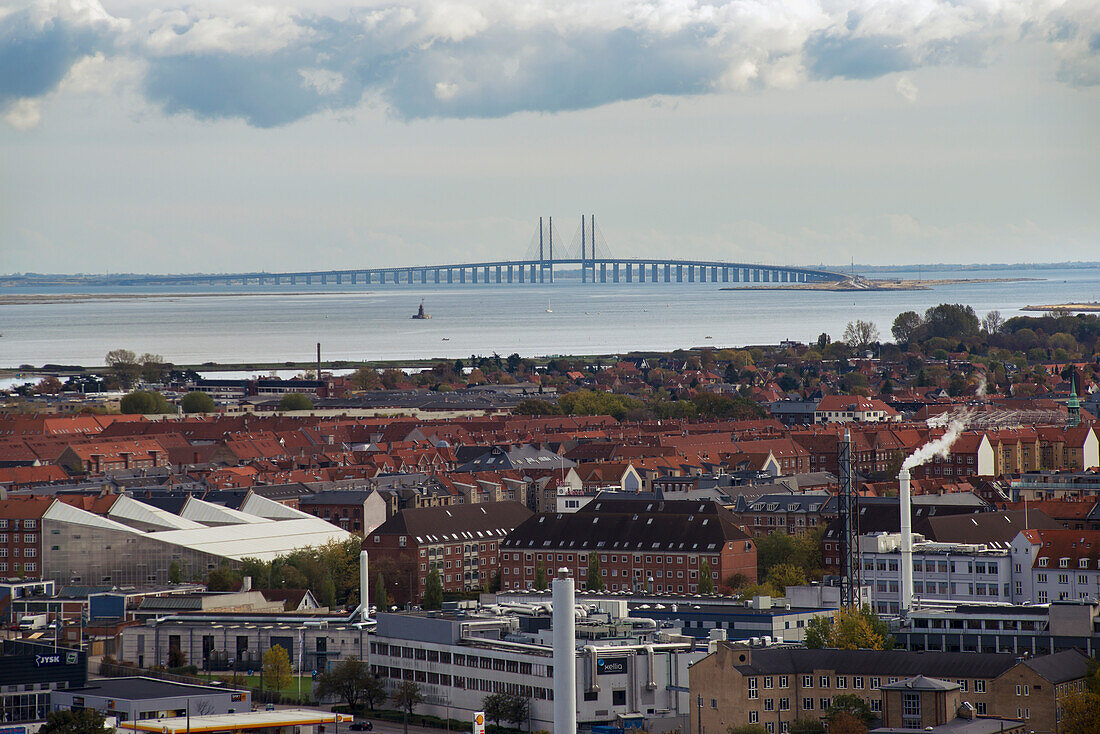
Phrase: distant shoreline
x=17 y=299
x=863 y=284
x=1093 y=307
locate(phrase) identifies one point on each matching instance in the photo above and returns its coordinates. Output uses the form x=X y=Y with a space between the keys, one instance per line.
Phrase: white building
x=961 y=572
x=626 y=668
x=1056 y=565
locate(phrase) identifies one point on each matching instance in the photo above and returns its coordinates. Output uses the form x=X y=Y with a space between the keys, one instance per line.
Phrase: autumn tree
x=276 y=668
x=905 y=326
x=1081 y=713
x=849 y=629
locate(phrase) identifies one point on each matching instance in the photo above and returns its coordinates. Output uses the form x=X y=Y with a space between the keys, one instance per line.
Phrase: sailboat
x=548 y=309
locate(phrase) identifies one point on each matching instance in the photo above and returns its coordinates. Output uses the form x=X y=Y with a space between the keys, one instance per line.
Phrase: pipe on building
x=650 y=679
x=565 y=653
x=906 y=541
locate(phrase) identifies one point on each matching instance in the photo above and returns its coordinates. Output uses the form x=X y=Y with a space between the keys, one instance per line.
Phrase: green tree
x=326 y=592
x=533 y=406
x=144 y=402
x=519 y=709
x=594 y=582
x=495 y=706
x=540 y=576
x=746 y=729
x=223 y=578
x=79 y=721
x=380 y=596
x=407 y=696
x=706 y=581
x=806 y=726
x=295 y=401
x=782 y=575
x=176 y=657
x=174 y=572
x=951 y=321
x=198 y=402
x=348 y=680
x=905 y=326
x=818 y=632
x=433 y=591
x=366 y=378
x=153 y=367
x=276 y=668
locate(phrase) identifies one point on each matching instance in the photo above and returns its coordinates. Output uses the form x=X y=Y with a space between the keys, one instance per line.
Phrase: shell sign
x=479 y=722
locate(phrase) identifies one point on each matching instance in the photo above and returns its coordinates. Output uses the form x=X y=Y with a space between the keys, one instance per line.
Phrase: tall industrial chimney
x=565 y=654
x=364 y=587
x=906 y=541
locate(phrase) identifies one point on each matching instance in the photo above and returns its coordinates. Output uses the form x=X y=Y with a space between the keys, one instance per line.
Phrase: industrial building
x=138 y=697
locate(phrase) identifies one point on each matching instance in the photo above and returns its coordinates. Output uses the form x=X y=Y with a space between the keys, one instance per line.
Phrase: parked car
x=361 y=726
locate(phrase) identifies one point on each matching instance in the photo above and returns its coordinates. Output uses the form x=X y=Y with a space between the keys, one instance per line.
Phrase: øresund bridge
x=587 y=251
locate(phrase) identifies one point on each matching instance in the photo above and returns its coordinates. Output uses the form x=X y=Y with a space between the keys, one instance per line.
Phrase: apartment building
x=459 y=541
x=659 y=546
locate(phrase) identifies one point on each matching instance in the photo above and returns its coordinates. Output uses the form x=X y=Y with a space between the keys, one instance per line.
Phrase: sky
x=240 y=135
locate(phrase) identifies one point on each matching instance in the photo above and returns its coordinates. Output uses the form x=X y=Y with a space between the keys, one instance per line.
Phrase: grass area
x=253 y=681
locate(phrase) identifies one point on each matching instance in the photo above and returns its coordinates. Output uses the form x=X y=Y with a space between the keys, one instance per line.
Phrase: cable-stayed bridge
x=587 y=252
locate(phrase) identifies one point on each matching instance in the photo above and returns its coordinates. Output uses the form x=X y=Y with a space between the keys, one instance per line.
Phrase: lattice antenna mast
x=848 y=510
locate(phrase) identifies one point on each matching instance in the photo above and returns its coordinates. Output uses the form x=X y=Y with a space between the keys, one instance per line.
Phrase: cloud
x=906 y=88
x=270 y=65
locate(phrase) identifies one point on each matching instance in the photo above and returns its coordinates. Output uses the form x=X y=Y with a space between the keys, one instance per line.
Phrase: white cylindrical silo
x=364 y=587
x=565 y=654
x=906 y=541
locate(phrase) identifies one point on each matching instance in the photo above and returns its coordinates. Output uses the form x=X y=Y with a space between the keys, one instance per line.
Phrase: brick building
x=460 y=541
x=638 y=544
x=21 y=535
x=355 y=510
x=773 y=686
x=101 y=456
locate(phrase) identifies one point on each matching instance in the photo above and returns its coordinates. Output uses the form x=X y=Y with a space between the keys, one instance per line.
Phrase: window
x=857 y=682
x=784 y=704
x=910 y=708
x=824 y=681
x=807 y=681
x=769 y=704
x=807 y=704
x=825 y=703
x=768 y=681
x=841 y=681
x=979 y=686
x=754 y=717
x=784 y=681
x=753 y=693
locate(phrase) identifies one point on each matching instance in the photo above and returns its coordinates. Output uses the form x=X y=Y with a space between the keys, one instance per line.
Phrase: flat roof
x=230 y=722
x=140 y=687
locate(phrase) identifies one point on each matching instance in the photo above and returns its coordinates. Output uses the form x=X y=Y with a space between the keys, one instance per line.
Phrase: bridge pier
x=615 y=271
x=498 y=275
x=641 y=272
x=679 y=273
x=691 y=273
x=629 y=273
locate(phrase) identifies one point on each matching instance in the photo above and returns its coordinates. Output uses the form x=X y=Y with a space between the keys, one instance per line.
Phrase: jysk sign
x=611 y=666
x=41 y=660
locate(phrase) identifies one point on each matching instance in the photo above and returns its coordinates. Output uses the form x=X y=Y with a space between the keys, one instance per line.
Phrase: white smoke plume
x=956 y=424
x=982 y=385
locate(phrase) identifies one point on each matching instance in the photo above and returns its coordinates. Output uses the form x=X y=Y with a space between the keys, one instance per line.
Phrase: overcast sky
x=229 y=135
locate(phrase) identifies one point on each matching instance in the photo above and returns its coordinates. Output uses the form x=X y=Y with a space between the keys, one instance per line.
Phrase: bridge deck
x=601 y=270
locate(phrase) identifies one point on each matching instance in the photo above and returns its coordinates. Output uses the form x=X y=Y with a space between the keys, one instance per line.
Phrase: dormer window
x=1043 y=562
x=1063 y=563
x=1083 y=563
